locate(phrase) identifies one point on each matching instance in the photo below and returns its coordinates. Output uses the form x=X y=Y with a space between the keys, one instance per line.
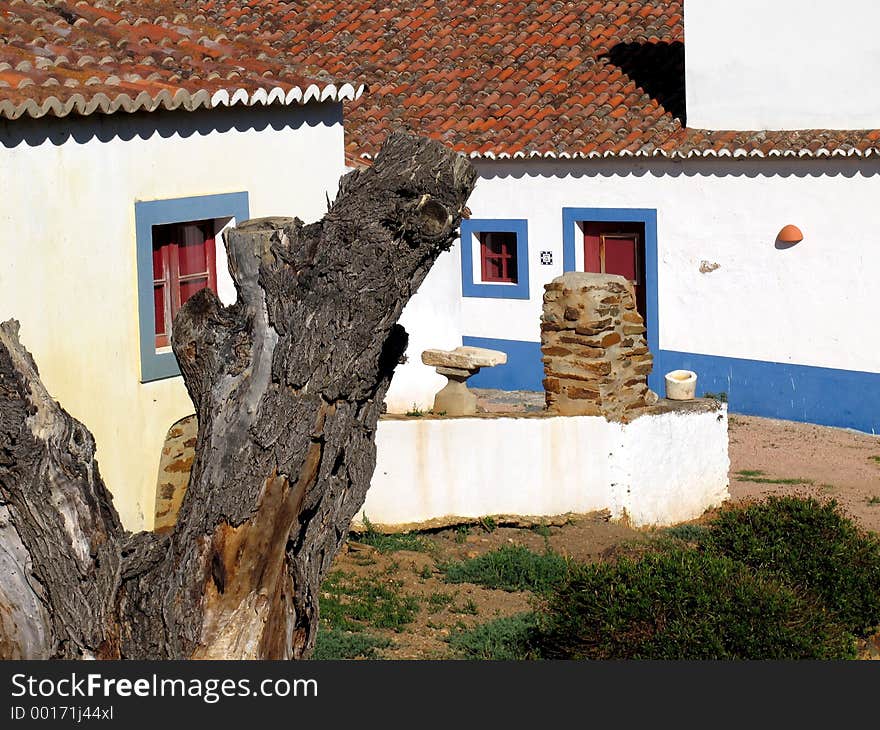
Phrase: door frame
x=571 y=217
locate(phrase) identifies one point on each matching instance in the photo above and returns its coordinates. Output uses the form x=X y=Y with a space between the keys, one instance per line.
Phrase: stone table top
x=464 y=358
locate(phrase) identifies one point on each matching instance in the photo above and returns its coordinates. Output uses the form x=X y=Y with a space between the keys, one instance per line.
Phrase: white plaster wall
x=67 y=194
x=432 y=319
x=785 y=64
x=657 y=470
x=811 y=304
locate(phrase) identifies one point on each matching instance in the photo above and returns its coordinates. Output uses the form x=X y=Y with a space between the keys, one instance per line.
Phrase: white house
x=671 y=142
x=127 y=143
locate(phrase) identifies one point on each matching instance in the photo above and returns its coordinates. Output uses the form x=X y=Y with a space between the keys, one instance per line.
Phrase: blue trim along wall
x=827 y=396
x=830 y=397
x=469 y=288
x=158 y=365
x=523 y=371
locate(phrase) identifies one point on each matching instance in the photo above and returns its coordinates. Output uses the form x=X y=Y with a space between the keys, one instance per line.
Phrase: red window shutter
x=184 y=262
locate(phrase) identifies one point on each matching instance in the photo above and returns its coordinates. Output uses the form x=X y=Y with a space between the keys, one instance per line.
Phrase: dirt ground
x=833 y=462
x=767 y=457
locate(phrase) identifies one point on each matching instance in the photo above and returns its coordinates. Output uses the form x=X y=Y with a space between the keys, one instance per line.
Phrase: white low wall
x=658 y=470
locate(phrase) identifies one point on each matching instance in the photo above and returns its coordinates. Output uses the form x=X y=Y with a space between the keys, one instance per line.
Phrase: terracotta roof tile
x=490 y=78
x=82 y=56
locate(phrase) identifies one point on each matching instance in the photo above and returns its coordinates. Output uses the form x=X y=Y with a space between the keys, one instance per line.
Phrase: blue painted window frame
x=470 y=288
x=572 y=216
x=149 y=213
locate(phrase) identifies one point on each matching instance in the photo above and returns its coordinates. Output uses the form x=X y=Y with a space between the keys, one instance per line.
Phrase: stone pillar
x=595 y=355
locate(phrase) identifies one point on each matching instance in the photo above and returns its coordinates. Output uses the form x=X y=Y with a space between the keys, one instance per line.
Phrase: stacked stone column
x=596 y=358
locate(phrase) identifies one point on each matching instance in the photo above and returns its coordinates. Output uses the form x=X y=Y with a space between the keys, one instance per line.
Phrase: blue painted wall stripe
x=523 y=371
x=827 y=396
x=149 y=213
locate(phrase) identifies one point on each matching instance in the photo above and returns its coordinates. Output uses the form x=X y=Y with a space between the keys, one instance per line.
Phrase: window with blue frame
x=177 y=255
x=495 y=258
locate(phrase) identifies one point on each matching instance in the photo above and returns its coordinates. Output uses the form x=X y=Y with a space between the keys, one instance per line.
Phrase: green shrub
x=501 y=639
x=688 y=533
x=510 y=568
x=337 y=644
x=684 y=603
x=813 y=547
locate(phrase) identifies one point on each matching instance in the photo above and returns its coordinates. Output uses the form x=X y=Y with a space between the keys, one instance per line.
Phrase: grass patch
x=440 y=600
x=811 y=546
x=501 y=639
x=683 y=603
x=510 y=568
x=395 y=542
x=339 y=644
x=875 y=500
x=469 y=607
x=352 y=604
x=754 y=475
x=875 y=459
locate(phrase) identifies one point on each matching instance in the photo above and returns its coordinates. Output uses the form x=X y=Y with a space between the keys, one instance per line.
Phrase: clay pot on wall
x=681 y=385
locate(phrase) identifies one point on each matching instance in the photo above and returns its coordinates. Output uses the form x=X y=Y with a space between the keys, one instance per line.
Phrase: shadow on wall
x=166 y=124
x=658 y=68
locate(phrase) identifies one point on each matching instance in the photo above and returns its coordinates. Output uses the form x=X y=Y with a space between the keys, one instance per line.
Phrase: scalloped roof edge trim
x=179 y=99
x=737 y=153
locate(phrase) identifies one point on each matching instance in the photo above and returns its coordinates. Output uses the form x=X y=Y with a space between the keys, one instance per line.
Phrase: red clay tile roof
x=512 y=78
x=103 y=55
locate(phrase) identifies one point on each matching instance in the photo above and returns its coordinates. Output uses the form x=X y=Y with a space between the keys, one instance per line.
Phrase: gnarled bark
x=288 y=384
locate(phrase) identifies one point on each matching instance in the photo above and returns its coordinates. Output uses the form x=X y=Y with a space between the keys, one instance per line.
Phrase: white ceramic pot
x=681 y=385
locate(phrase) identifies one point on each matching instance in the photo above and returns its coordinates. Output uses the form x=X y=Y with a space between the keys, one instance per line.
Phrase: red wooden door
x=617 y=248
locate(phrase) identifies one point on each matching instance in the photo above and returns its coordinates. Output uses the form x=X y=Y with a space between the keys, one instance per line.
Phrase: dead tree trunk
x=288 y=384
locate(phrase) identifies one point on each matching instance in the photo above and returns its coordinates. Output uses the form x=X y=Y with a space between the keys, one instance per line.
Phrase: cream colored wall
x=67 y=194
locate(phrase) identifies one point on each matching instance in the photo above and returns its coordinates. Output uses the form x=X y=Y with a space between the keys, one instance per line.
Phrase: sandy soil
x=833 y=462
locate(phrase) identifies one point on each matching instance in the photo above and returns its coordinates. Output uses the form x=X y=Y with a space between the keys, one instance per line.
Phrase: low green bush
x=500 y=639
x=684 y=603
x=810 y=545
x=510 y=568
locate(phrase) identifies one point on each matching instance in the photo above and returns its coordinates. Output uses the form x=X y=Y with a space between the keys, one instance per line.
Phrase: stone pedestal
x=455 y=399
x=458 y=365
